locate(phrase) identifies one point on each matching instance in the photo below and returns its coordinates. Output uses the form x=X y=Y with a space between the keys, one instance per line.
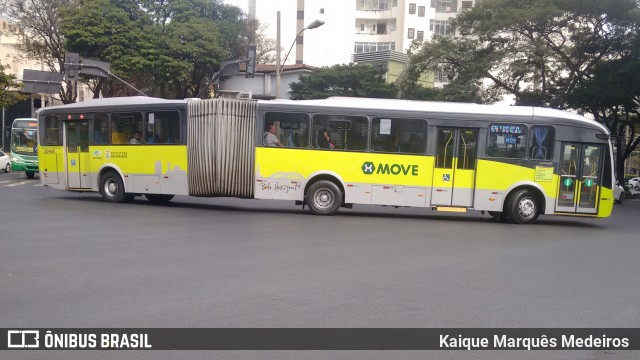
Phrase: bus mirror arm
x=106 y=72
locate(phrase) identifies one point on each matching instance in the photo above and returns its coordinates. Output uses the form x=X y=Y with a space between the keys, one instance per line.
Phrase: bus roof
x=113 y=102
x=437 y=107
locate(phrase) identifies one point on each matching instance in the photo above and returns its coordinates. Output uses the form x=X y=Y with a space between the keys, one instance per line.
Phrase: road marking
x=4 y=182
x=19 y=183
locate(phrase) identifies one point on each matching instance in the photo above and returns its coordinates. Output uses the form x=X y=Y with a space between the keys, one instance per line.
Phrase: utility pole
x=3 y=129
x=278 y=65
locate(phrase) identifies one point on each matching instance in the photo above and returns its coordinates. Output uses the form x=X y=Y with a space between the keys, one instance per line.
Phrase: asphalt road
x=72 y=260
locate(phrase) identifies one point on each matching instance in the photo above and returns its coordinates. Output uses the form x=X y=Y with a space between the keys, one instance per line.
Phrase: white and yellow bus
x=513 y=162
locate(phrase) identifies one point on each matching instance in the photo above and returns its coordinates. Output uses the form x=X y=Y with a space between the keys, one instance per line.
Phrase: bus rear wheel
x=158 y=198
x=30 y=174
x=522 y=207
x=324 y=197
x=112 y=188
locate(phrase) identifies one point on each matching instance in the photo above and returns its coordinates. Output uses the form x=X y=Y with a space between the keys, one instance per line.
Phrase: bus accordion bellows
x=24 y=150
x=513 y=162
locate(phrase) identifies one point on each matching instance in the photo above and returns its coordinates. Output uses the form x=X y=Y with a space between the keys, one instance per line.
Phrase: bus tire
x=7 y=168
x=30 y=174
x=158 y=198
x=112 y=188
x=324 y=197
x=523 y=207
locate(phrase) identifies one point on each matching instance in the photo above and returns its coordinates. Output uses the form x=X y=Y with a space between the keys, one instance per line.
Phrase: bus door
x=77 y=154
x=580 y=178
x=454 y=170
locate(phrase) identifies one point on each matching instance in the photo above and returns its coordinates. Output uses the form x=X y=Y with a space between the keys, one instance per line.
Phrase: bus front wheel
x=324 y=197
x=522 y=207
x=112 y=188
x=30 y=174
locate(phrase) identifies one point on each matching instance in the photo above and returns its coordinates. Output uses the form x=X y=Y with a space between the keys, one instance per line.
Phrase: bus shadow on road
x=277 y=207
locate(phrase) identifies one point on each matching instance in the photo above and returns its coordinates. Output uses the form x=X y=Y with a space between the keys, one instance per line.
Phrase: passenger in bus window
x=100 y=134
x=324 y=140
x=137 y=139
x=270 y=138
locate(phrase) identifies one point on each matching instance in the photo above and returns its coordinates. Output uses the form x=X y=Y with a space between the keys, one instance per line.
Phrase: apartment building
x=383 y=27
x=354 y=27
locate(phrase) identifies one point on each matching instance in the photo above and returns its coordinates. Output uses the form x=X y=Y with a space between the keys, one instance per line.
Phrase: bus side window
x=507 y=141
x=345 y=132
x=541 y=143
x=118 y=134
x=100 y=129
x=292 y=129
x=52 y=130
x=162 y=127
x=399 y=135
x=124 y=126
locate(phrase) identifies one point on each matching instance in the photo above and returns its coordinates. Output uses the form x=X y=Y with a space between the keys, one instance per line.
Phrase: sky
x=243 y=4
x=323 y=47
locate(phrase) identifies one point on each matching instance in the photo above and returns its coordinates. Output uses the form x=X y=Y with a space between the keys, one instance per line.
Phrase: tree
x=343 y=80
x=39 y=35
x=167 y=48
x=8 y=86
x=265 y=46
x=117 y=33
x=542 y=53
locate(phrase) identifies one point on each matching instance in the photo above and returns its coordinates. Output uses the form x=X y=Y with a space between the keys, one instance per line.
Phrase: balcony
x=374 y=15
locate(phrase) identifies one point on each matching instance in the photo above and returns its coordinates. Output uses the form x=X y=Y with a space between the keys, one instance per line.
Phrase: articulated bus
x=513 y=162
x=24 y=150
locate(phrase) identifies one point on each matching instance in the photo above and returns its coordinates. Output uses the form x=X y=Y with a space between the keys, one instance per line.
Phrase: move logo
x=369 y=168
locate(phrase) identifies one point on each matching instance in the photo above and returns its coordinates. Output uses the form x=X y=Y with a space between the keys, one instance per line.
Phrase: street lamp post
x=279 y=65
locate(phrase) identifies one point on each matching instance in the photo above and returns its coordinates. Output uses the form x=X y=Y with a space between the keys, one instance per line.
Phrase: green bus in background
x=24 y=146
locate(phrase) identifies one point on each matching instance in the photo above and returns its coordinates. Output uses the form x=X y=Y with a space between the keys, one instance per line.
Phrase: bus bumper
x=24 y=167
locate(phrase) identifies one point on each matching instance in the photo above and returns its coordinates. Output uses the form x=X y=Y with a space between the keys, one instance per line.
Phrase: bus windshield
x=23 y=141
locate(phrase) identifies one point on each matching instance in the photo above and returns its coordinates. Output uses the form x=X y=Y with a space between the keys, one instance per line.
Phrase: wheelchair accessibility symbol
x=446 y=177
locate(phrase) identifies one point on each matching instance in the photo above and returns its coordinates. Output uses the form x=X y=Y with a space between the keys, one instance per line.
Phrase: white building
x=263 y=84
x=353 y=26
x=9 y=51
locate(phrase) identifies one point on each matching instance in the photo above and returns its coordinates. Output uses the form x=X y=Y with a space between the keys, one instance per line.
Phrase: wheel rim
x=323 y=198
x=110 y=187
x=526 y=207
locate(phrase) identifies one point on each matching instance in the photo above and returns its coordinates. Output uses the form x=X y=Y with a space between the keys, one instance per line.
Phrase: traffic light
x=71 y=66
